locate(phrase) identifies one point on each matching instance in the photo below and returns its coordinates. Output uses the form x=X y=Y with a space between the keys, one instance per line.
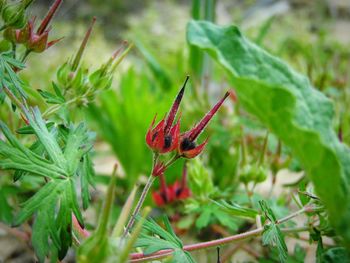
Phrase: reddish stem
x=81 y=231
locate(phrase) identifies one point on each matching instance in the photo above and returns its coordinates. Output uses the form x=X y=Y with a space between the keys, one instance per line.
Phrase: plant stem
x=140 y=202
x=139 y=205
x=14 y=99
x=140 y=257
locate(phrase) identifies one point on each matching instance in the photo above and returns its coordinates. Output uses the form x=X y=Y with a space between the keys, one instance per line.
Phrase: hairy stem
x=139 y=205
x=140 y=257
x=140 y=202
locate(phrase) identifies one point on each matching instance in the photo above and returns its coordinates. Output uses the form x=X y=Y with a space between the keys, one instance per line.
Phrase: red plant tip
x=165 y=136
x=83 y=45
x=53 y=42
x=196 y=131
x=233 y=96
x=115 y=54
x=50 y=14
x=187 y=146
x=158 y=169
x=175 y=107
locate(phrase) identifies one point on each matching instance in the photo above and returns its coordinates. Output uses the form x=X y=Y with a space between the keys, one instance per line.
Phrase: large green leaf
x=289 y=106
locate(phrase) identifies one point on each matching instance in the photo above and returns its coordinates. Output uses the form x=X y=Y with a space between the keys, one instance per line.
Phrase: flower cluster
x=36 y=41
x=165 y=137
x=169 y=194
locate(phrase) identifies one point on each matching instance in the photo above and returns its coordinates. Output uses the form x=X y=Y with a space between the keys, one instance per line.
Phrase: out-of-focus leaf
x=5 y=209
x=236 y=210
x=51 y=98
x=287 y=104
x=336 y=255
x=158 y=71
x=200 y=180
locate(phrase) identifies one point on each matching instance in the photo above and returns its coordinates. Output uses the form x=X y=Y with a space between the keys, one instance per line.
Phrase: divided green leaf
x=272 y=234
x=157 y=238
x=60 y=156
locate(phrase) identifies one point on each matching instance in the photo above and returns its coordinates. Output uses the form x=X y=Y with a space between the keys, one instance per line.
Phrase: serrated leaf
x=50 y=98
x=273 y=236
x=59 y=193
x=164 y=239
x=290 y=107
x=45 y=194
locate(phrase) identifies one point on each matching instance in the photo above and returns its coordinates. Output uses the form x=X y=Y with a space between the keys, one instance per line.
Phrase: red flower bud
x=172 y=193
x=165 y=137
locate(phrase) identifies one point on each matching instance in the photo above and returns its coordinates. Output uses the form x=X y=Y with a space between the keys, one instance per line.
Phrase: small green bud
x=253 y=173
x=14 y=15
x=101 y=80
x=10 y=34
x=64 y=74
x=5 y=45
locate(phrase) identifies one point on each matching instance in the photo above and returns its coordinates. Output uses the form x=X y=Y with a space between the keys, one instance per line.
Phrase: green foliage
x=164 y=239
x=236 y=210
x=8 y=77
x=272 y=234
x=61 y=168
x=336 y=254
x=200 y=180
x=287 y=104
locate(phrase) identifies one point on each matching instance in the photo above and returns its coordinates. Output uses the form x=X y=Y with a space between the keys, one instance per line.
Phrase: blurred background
x=312 y=36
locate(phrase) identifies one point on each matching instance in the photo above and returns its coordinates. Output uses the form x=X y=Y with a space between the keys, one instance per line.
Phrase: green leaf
x=269 y=214
x=289 y=106
x=200 y=179
x=5 y=209
x=273 y=236
x=158 y=71
x=235 y=209
x=67 y=151
x=8 y=77
x=51 y=98
x=164 y=239
x=87 y=176
x=336 y=255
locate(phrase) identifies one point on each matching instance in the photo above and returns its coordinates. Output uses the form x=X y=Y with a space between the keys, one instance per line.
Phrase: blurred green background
x=310 y=35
